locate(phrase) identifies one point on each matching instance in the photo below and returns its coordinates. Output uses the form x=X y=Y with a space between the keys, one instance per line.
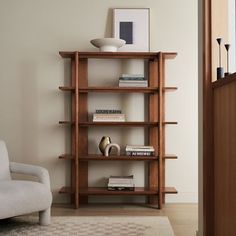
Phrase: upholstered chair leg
x=45 y=217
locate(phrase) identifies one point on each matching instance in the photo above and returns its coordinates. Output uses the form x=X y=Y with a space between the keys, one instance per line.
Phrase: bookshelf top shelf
x=118 y=55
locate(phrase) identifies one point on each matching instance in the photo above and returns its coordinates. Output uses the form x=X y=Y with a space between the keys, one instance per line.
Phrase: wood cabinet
x=80 y=123
x=224 y=153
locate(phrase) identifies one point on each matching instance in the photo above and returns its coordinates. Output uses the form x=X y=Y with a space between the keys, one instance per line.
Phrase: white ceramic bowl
x=108 y=44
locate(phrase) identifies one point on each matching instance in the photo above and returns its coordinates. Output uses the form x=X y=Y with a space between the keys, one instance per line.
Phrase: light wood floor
x=183 y=217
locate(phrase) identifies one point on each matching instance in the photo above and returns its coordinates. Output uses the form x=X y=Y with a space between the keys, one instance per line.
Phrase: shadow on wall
x=109 y=20
x=29 y=111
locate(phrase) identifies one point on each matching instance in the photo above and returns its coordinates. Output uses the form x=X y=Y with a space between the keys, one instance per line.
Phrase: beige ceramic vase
x=103 y=143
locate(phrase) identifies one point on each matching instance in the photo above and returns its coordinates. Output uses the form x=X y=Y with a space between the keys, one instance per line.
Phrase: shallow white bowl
x=108 y=44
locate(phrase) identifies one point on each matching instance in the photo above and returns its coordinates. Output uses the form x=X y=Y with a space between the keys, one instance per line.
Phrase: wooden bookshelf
x=80 y=123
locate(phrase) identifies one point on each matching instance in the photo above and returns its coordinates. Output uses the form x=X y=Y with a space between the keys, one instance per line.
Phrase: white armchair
x=18 y=197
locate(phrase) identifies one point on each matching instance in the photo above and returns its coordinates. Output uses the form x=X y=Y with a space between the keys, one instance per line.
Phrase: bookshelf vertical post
x=153 y=131
x=83 y=134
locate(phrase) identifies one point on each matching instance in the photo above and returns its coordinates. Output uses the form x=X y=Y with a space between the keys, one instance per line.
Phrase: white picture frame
x=132 y=25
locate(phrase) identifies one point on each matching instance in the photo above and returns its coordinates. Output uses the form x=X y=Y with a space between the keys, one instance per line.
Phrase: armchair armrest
x=34 y=170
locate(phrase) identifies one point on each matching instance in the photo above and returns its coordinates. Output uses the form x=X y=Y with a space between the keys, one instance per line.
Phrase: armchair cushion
x=22 y=197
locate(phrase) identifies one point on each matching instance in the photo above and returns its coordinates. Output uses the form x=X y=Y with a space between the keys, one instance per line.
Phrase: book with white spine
x=133 y=84
x=121 y=183
x=132 y=75
x=109 y=117
x=139 y=148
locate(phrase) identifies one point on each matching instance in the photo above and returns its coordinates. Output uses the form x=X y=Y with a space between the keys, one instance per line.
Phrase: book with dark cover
x=121 y=177
x=108 y=111
x=132 y=78
x=139 y=153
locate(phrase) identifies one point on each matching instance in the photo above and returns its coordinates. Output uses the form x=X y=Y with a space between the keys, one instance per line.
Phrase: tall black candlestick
x=220 y=70
x=227 y=46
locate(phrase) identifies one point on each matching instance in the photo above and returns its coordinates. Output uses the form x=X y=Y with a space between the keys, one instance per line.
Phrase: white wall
x=200 y=118
x=232 y=51
x=32 y=33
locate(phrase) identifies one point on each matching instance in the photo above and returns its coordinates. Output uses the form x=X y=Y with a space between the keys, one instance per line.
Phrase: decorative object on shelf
x=220 y=70
x=103 y=143
x=227 y=46
x=110 y=146
x=108 y=44
x=132 y=25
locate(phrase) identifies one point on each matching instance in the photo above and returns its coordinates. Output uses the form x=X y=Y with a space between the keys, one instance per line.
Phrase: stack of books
x=121 y=183
x=108 y=116
x=139 y=150
x=132 y=80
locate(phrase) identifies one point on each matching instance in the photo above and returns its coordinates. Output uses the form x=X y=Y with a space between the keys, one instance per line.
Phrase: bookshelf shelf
x=127 y=123
x=67 y=156
x=119 y=55
x=104 y=191
x=64 y=122
x=117 y=89
x=97 y=157
x=117 y=158
x=67 y=88
x=124 y=124
x=66 y=190
x=154 y=125
x=124 y=90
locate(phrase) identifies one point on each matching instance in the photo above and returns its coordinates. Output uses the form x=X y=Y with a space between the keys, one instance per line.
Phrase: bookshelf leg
x=153 y=200
x=83 y=181
x=153 y=184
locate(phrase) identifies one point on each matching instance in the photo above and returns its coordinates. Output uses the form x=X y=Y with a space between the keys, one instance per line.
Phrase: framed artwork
x=132 y=25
